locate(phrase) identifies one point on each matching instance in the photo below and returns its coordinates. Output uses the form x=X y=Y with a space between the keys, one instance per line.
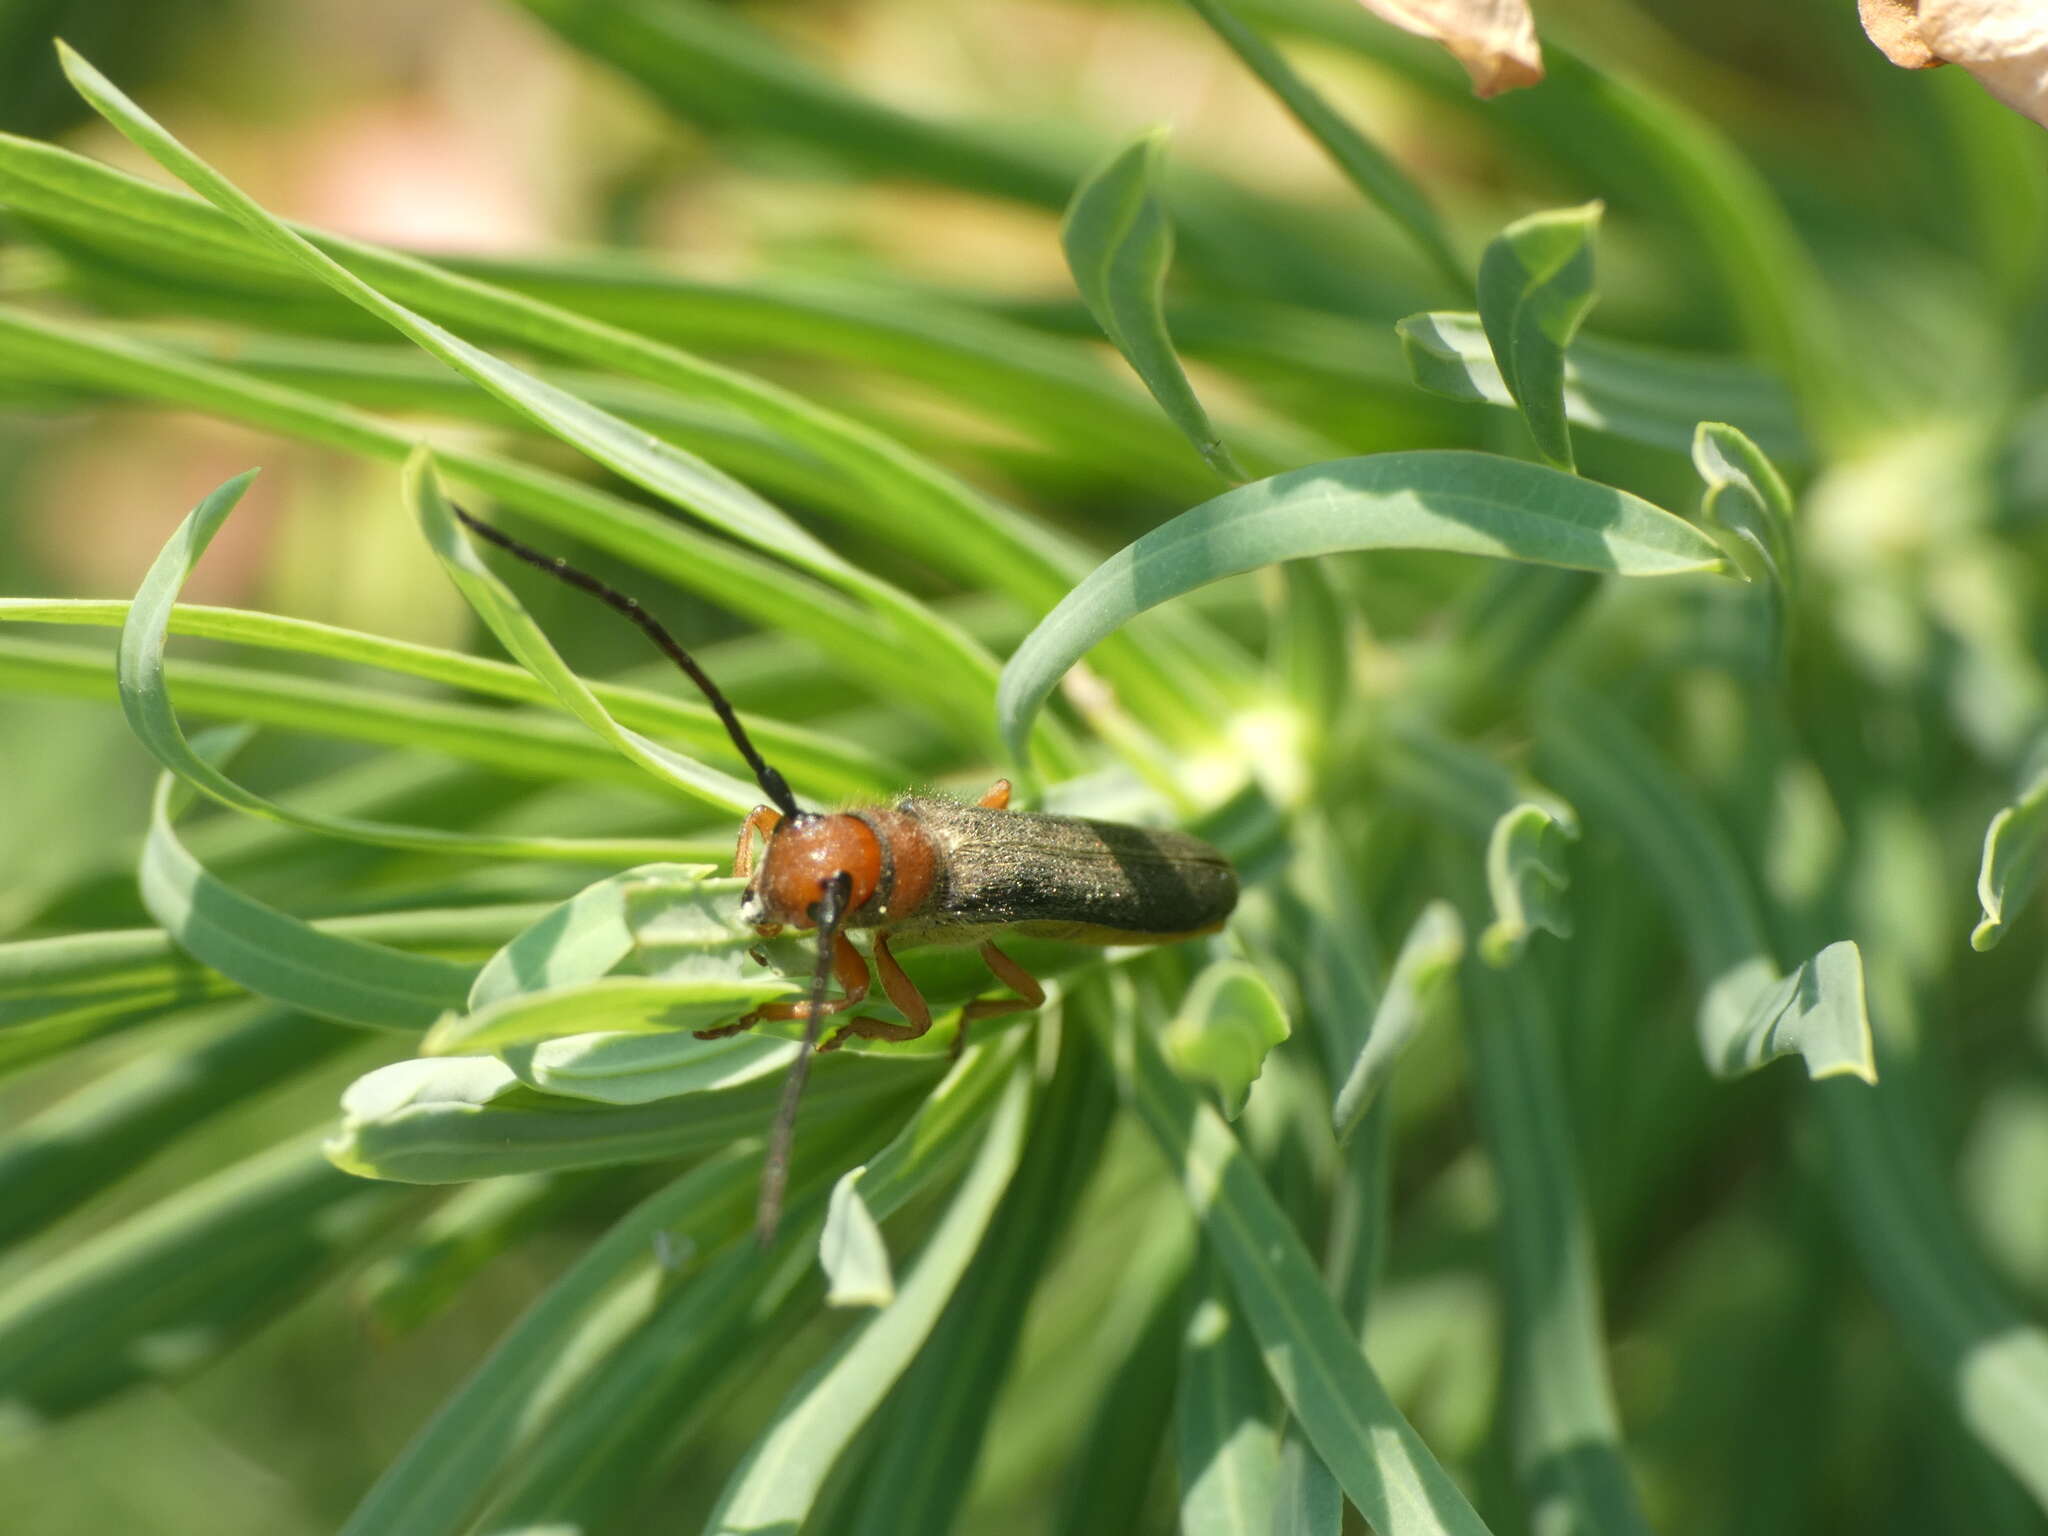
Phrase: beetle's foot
x=739 y=1027
x=869 y=1029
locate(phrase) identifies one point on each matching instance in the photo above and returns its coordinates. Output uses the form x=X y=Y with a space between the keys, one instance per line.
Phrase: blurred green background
x=1763 y=1385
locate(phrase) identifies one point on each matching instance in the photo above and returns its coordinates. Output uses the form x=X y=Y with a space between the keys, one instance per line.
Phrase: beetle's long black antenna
x=773 y=785
x=775 y=1168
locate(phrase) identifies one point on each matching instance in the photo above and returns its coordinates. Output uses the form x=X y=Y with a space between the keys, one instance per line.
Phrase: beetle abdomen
x=1092 y=882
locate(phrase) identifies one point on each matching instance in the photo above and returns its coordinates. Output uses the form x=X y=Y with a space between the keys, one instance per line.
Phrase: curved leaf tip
x=1752 y=1015
x=1526 y=878
x=1535 y=288
x=2015 y=851
x=1228 y=1022
x=851 y=1249
x=1119 y=244
x=1421 y=988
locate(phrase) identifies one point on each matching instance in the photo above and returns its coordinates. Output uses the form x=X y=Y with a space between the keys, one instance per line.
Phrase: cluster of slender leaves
x=1588 y=690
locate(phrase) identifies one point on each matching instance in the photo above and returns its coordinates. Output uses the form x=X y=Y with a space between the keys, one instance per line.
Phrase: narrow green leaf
x=1119 y=246
x=35 y=1032
x=1385 y=1469
x=1109 y=1488
x=398 y=379
x=1455 y=781
x=146 y=700
x=57 y=994
x=918 y=1485
x=1312 y=625
x=625 y=1038
x=609 y=1067
x=839 y=766
x=773 y=594
x=442 y=1474
x=1384 y=184
x=628 y=1005
x=903 y=500
x=121 y=961
x=1307 y=1500
x=641 y=1404
x=667 y=471
x=1226 y=1437
x=1985 y=1355
x=1324 y=921
x=658 y=1368
x=851 y=1249
x=660 y=467
x=1562 y=1419
x=1006 y=371
x=165 y=1291
x=132 y=221
x=118 y=960
x=1462 y=503
x=779 y=1479
x=57 y=1160
x=1067 y=402
x=1227 y=1022
x=580 y=939
x=2015 y=852
x=448 y=1119
x=1535 y=287
x=1644 y=394
x=499 y=609
x=710 y=67
x=1420 y=989
x=473 y=1226
x=689 y=929
x=280 y=957
x=1526 y=877
x=531 y=746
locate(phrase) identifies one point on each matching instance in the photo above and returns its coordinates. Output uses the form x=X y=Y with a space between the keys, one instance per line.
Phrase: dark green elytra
x=1061 y=877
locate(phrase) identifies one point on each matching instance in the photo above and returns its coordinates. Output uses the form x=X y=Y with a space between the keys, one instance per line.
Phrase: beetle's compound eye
x=803 y=854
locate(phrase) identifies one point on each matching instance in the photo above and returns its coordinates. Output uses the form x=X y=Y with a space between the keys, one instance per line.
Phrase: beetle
x=924 y=869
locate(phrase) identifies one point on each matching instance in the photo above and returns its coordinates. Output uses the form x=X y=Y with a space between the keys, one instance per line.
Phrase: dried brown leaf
x=2003 y=43
x=1494 y=39
x=1894 y=25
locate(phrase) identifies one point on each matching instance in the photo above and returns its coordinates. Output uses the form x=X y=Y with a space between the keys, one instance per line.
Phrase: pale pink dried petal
x=2004 y=43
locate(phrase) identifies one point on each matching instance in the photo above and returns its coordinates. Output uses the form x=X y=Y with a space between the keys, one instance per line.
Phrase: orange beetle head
x=802 y=854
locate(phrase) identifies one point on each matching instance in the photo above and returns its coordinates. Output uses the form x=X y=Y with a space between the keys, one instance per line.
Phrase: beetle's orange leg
x=852 y=973
x=997 y=798
x=861 y=1027
x=902 y=992
x=763 y=819
x=1013 y=976
x=1030 y=995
